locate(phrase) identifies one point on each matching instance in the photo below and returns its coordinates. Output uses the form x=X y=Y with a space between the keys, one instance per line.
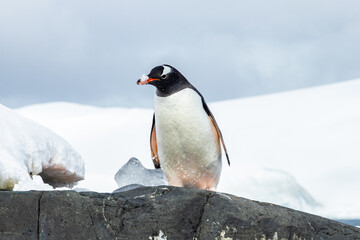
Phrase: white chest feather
x=187 y=143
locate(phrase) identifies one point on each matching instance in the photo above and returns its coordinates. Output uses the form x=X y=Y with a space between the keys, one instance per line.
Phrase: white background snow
x=300 y=148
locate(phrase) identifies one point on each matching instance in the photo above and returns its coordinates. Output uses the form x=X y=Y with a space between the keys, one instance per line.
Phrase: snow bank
x=28 y=149
x=269 y=185
x=312 y=134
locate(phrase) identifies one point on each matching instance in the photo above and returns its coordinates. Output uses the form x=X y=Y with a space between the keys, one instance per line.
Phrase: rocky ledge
x=157 y=213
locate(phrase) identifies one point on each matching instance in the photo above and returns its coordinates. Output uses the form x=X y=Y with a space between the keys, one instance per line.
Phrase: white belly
x=188 y=148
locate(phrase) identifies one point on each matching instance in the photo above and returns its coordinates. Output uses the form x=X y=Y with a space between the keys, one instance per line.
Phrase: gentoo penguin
x=185 y=138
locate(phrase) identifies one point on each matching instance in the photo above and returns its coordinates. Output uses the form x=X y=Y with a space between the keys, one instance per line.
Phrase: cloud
x=93 y=52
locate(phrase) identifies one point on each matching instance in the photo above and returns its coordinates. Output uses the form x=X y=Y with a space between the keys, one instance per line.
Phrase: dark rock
x=152 y=212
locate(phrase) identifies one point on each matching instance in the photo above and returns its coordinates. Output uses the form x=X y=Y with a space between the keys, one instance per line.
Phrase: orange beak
x=139 y=82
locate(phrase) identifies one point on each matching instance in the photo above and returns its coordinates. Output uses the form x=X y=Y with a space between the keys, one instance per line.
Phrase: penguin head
x=165 y=78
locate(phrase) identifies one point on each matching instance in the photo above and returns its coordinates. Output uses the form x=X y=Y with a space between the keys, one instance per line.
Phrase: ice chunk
x=128 y=188
x=133 y=172
x=28 y=149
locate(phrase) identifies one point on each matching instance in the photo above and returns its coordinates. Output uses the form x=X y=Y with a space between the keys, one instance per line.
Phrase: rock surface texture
x=157 y=213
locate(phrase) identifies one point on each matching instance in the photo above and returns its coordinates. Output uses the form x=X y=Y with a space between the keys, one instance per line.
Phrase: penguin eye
x=163 y=76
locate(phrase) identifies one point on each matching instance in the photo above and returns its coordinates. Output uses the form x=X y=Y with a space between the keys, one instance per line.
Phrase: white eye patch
x=166 y=70
x=144 y=78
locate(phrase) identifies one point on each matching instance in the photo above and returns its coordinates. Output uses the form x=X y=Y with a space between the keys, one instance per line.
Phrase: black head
x=166 y=79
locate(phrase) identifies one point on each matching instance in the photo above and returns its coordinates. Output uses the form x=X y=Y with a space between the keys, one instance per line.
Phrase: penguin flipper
x=153 y=145
x=216 y=127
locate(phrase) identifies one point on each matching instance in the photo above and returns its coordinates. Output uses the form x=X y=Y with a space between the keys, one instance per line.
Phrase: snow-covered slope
x=300 y=149
x=312 y=134
x=26 y=149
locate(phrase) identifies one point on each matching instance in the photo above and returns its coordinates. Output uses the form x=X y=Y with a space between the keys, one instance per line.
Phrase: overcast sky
x=93 y=52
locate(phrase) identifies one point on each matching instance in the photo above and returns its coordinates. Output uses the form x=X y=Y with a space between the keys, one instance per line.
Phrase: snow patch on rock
x=28 y=149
